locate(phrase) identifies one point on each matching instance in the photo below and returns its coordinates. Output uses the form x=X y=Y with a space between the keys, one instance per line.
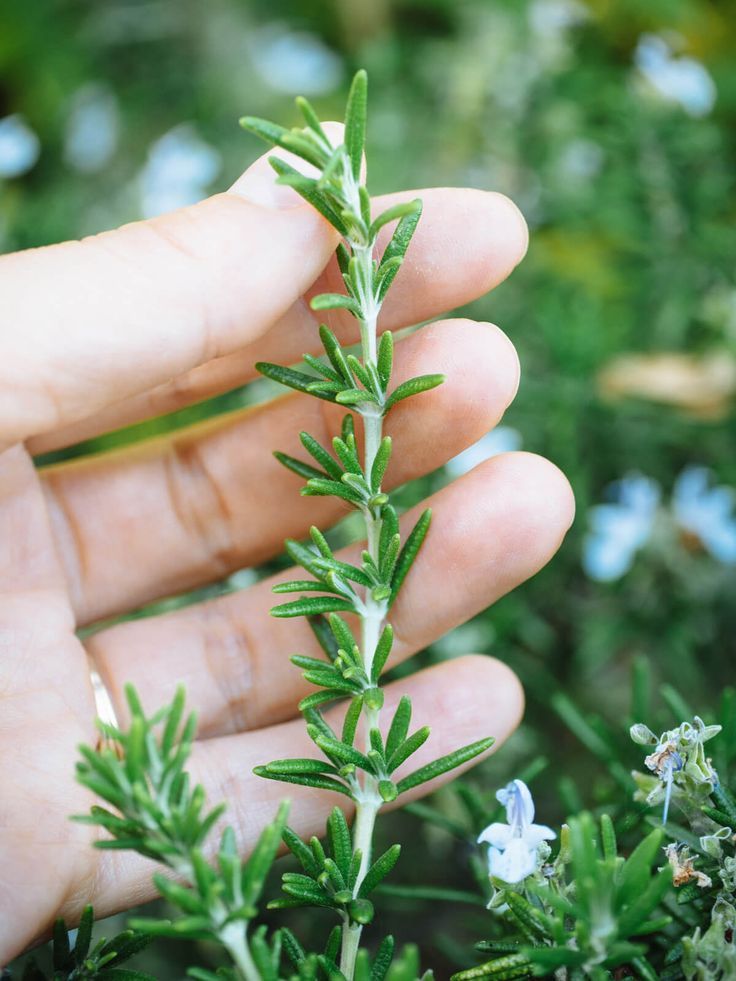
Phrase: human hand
x=145 y=320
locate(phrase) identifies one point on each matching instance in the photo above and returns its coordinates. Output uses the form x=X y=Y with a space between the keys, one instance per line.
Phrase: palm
x=48 y=709
x=90 y=541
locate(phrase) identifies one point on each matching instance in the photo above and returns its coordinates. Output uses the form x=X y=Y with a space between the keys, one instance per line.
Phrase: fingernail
x=258 y=184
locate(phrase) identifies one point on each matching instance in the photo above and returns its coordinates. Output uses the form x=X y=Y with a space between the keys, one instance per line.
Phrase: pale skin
x=147 y=319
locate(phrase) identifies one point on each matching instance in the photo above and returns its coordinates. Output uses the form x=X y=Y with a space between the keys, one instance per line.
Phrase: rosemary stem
x=233 y=938
x=368 y=804
x=350 y=946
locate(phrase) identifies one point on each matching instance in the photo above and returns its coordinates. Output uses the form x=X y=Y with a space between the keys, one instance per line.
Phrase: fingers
x=473 y=696
x=102 y=319
x=467 y=242
x=168 y=516
x=491 y=530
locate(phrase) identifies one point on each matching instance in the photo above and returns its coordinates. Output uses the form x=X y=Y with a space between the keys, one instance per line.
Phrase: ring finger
x=492 y=529
x=474 y=696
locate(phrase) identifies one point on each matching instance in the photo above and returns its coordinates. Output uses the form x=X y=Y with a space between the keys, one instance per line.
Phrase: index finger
x=89 y=323
x=467 y=242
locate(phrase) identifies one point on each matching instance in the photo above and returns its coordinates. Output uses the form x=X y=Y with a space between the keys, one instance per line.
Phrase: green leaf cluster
x=342 y=759
x=352 y=471
x=381 y=576
x=330 y=873
x=343 y=378
x=592 y=915
x=339 y=195
x=140 y=773
x=155 y=811
x=214 y=901
x=81 y=960
x=382 y=966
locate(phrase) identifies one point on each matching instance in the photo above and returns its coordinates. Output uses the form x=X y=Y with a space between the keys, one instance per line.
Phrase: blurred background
x=612 y=126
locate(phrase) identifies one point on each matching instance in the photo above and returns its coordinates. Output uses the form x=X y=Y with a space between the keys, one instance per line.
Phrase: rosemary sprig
x=352 y=668
x=156 y=812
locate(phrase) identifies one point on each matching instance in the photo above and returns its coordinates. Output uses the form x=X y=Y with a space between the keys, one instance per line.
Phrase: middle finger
x=176 y=513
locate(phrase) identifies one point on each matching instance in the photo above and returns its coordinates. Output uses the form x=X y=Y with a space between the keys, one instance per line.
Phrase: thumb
x=88 y=323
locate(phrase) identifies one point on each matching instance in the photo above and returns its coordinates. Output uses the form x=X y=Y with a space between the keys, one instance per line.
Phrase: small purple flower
x=514 y=845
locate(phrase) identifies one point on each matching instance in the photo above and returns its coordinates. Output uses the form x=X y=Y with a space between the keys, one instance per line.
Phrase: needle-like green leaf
x=355 y=121
x=410 y=551
x=414 y=386
x=310 y=606
x=444 y=764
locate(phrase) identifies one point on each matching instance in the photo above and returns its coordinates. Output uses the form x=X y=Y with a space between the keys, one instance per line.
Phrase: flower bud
x=642 y=735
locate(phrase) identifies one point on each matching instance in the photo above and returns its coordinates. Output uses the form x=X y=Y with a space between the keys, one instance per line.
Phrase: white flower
x=682 y=80
x=19 y=146
x=502 y=439
x=706 y=512
x=619 y=529
x=513 y=852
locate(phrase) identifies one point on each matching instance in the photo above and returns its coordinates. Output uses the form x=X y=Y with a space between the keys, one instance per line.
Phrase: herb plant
x=570 y=905
x=77 y=958
x=359 y=762
x=583 y=914
x=155 y=810
x=662 y=908
x=157 y=813
x=582 y=910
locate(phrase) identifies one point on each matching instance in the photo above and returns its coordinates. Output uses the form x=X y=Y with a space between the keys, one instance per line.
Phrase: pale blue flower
x=19 y=147
x=92 y=130
x=706 y=512
x=679 y=761
x=556 y=16
x=682 y=80
x=502 y=439
x=295 y=61
x=179 y=169
x=580 y=160
x=514 y=846
x=619 y=529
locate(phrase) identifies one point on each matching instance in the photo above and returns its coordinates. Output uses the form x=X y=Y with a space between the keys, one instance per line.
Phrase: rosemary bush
x=667 y=911
x=574 y=910
x=583 y=912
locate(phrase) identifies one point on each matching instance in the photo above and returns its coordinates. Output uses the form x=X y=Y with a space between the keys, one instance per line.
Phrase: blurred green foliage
x=631 y=200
